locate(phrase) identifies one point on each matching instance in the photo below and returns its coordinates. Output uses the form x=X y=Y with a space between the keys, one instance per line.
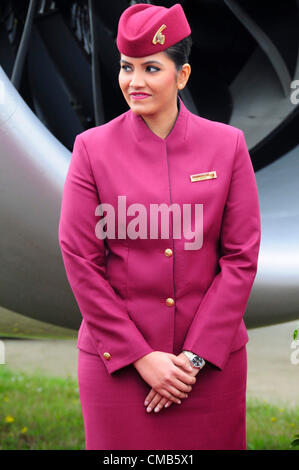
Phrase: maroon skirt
x=213 y=417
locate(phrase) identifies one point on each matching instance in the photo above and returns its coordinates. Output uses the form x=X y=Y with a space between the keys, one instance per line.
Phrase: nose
x=137 y=80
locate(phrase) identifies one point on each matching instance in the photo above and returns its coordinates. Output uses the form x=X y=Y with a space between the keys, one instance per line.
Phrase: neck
x=162 y=123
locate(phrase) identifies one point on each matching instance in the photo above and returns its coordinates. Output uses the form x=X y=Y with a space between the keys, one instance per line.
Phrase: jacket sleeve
x=220 y=313
x=84 y=257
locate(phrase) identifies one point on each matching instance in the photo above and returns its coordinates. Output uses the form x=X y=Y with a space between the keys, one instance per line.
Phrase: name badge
x=203 y=176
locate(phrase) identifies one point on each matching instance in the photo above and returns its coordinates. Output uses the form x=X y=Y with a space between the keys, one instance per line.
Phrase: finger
x=183 y=362
x=155 y=400
x=149 y=397
x=176 y=393
x=180 y=369
x=181 y=386
x=187 y=364
x=168 y=404
x=166 y=394
x=157 y=403
x=160 y=405
x=187 y=378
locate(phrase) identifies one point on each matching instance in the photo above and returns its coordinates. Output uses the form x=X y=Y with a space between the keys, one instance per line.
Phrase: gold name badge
x=203 y=176
x=159 y=37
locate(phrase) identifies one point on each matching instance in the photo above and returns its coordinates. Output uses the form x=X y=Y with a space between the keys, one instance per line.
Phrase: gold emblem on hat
x=159 y=38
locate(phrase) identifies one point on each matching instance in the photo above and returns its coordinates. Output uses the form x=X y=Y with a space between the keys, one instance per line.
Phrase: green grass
x=46 y=414
x=47 y=407
x=270 y=427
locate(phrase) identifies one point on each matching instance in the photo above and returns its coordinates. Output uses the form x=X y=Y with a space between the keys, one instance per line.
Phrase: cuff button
x=107 y=356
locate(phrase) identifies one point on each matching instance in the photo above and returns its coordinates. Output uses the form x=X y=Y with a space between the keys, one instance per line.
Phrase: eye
x=156 y=69
x=148 y=67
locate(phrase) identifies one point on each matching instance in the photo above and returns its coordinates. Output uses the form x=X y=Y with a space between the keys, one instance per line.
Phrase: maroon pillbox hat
x=145 y=29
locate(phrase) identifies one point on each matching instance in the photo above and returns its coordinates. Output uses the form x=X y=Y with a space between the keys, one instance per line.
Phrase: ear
x=183 y=75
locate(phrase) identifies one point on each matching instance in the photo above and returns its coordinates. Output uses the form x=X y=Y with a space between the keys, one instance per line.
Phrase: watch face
x=197 y=361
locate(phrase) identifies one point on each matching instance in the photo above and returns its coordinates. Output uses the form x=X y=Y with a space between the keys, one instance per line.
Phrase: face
x=156 y=79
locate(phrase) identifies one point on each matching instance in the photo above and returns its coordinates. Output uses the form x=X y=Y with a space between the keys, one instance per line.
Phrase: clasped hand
x=170 y=377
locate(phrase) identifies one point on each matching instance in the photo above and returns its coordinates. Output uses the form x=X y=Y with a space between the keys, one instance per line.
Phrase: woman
x=162 y=345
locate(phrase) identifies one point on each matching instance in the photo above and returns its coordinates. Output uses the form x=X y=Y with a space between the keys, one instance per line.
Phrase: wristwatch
x=195 y=360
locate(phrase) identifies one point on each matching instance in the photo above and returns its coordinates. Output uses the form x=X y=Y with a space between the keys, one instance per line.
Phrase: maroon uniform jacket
x=139 y=294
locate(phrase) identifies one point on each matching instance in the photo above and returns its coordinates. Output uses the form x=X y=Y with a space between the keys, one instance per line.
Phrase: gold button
x=107 y=355
x=168 y=252
x=169 y=302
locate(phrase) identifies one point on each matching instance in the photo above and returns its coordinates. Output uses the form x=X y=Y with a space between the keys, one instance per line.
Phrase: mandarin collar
x=142 y=132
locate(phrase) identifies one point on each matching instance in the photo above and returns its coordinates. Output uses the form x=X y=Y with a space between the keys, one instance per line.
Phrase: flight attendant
x=160 y=233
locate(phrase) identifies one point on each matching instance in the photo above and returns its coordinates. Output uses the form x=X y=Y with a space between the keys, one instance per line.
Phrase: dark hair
x=179 y=52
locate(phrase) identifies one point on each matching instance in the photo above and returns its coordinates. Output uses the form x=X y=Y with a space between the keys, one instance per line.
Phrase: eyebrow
x=144 y=63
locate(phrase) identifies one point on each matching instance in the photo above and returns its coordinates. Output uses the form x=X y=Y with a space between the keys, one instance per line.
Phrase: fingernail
x=179 y=401
x=149 y=409
x=166 y=405
x=157 y=408
x=146 y=402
